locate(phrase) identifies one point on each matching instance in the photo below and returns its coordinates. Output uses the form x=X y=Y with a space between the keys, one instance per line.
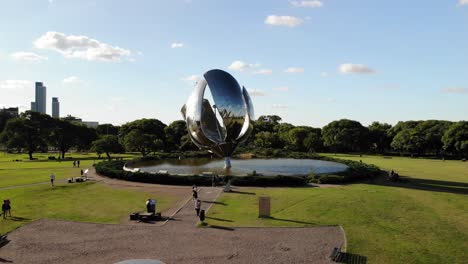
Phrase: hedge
x=356 y=171
x=114 y=169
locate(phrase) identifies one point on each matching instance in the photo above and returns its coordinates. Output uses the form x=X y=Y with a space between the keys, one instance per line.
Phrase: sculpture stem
x=227 y=162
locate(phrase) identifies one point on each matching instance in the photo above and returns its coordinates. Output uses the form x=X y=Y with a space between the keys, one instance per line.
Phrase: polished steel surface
x=232 y=104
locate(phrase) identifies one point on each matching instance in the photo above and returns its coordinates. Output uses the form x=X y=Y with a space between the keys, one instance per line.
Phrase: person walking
x=81 y=172
x=52 y=179
x=194 y=194
x=4 y=209
x=78 y=163
x=198 y=207
x=8 y=207
x=74 y=164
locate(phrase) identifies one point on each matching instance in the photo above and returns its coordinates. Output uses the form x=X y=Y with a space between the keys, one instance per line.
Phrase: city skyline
x=308 y=63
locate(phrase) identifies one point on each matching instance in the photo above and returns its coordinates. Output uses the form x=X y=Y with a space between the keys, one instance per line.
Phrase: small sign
x=264 y=206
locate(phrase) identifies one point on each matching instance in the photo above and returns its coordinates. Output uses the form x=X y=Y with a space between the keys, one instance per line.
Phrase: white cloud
x=463 y=2
x=355 y=68
x=16 y=84
x=264 y=71
x=72 y=80
x=27 y=56
x=192 y=79
x=281 y=89
x=313 y=4
x=81 y=47
x=257 y=93
x=294 y=70
x=455 y=90
x=241 y=65
x=280 y=106
x=176 y=45
x=288 y=21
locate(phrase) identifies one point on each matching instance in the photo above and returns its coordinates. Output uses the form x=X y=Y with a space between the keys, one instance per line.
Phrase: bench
x=144 y=217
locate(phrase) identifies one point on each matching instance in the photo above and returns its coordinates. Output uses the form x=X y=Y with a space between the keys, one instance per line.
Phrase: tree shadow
x=290 y=221
x=426 y=185
x=218 y=219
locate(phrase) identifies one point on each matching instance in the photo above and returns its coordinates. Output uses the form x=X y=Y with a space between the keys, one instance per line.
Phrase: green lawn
x=387 y=224
x=26 y=172
x=89 y=202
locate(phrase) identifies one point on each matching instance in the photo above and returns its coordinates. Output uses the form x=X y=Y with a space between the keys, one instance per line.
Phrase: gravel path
x=51 y=241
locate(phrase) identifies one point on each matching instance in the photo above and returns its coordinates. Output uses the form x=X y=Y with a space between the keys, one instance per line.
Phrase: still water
x=267 y=167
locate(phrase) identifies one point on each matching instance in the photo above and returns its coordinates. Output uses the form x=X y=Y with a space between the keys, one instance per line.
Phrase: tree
x=150 y=132
x=304 y=138
x=455 y=139
x=174 y=133
x=107 y=129
x=136 y=140
x=85 y=137
x=345 y=135
x=267 y=139
x=107 y=144
x=379 y=138
x=30 y=132
x=408 y=141
x=63 y=136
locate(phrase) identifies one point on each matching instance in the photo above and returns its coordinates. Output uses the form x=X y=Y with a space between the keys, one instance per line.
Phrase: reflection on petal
x=232 y=104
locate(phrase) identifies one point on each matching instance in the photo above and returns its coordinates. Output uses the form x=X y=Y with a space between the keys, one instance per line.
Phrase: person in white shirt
x=52 y=179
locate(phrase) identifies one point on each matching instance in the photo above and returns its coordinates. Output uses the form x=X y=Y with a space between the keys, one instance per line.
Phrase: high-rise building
x=40 y=98
x=55 y=107
x=33 y=107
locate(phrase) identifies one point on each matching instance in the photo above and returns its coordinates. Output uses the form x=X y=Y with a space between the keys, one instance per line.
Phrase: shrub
x=330 y=179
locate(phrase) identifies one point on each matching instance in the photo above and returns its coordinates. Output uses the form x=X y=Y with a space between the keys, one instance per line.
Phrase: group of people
x=76 y=163
x=6 y=208
x=197 y=201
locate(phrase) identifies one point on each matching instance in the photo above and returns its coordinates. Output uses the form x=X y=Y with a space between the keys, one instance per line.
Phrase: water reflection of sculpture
x=225 y=125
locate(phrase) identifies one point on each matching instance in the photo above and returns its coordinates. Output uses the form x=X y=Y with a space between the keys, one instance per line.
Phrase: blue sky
x=310 y=62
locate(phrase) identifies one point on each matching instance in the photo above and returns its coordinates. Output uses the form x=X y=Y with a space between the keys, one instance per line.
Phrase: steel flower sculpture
x=225 y=124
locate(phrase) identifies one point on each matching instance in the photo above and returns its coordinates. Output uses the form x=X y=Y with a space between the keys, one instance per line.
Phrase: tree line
x=34 y=132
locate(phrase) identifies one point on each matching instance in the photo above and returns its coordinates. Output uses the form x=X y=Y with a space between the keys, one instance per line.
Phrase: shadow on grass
x=214 y=202
x=291 y=221
x=218 y=219
x=240 y=192
x=426 y=185
x=344 y=257
x=19 y=219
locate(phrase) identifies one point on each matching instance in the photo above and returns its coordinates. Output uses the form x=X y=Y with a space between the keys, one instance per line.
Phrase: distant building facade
x=55 y=107
x=72 y=119
x=33 y=107
x=41 y=94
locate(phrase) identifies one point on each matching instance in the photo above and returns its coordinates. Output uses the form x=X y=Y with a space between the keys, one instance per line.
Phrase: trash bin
x=202 y=215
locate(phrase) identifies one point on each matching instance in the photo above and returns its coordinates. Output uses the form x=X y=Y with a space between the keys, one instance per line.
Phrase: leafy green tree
x=455 y=138
x=267 y=139
x=149 y=133
x=29 y=132
x=379 y=138
x=408 y=140
x=298 y=135
x=107 y=129
x=63 y=136
x=345 y=135
x=107 y=144
x=85 y=137
x=432 y=131
x=174 y=133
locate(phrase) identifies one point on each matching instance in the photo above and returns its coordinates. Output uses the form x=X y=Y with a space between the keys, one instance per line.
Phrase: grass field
x=88 y=202
x=421 y=221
